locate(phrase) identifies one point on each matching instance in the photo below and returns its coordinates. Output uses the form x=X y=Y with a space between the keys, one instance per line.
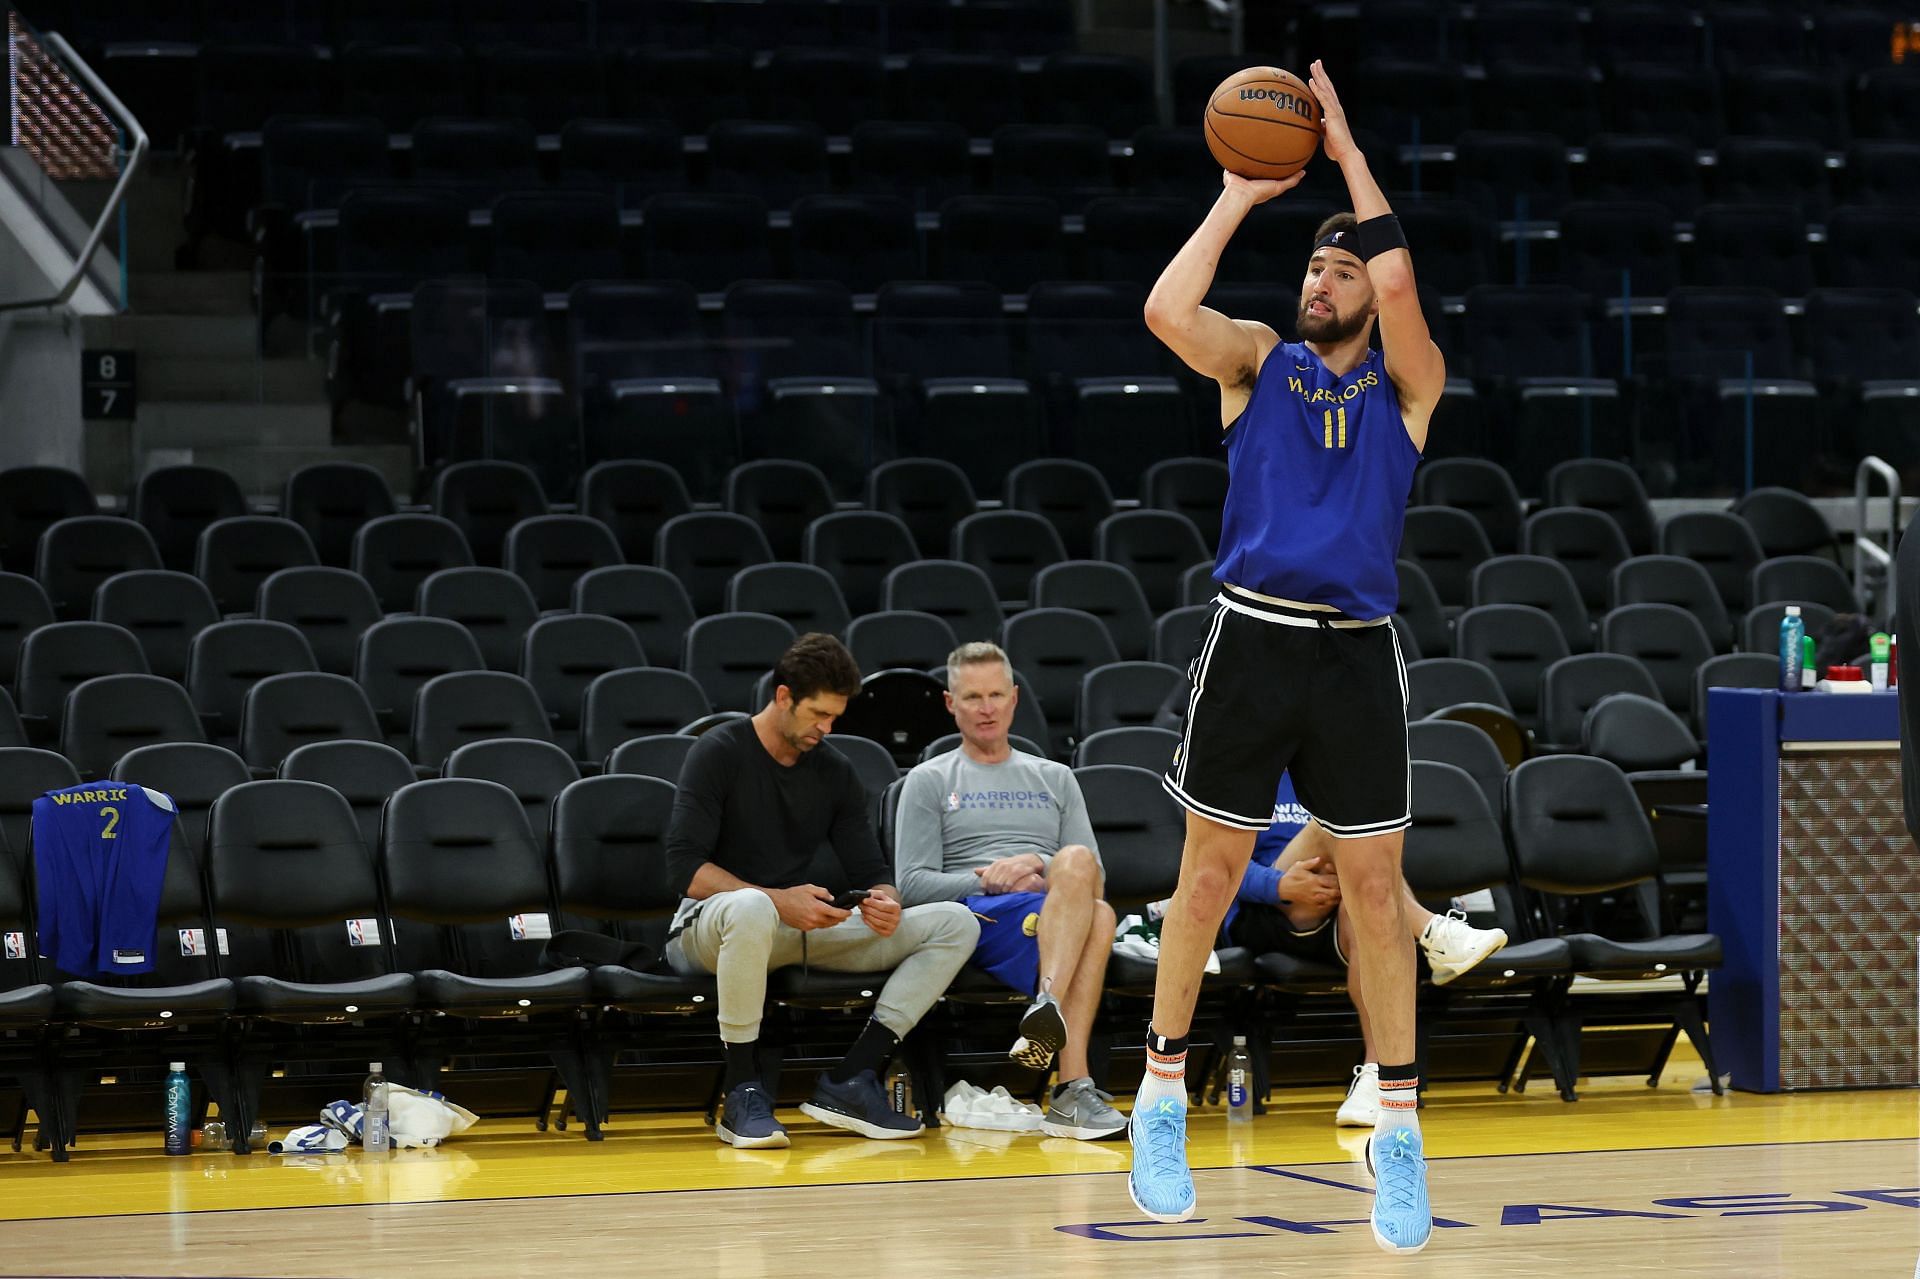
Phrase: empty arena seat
x=1009 y=547
x=1670 y=579
x=163 y=609
x=621 y=705
x=109 y=715
x=1481 y=488
x=1447 y=545
x=74 y=555
x=1719 y=542
x=458 y=851
x=859 y=549
x=330 y=606
x=365 y=773
x=960 y=594
x=282 y=713
x=471 y=706
x=536 y=772
x=552 y=552
x=660 y=755
x=563 y=655
x=1612 y=488
x=705 y=549
x=395 y=553
x=397 y=655
x=1804 y=579
x=484 y=500
x=1109 y=592
x=1435 y=683
x=234 y=556
x=1574 y=685
x=633 y=498
x=1072 y=496
x=56 y=659
x=805 y=597
x=228 y=658
x=1517 y=643
x=651 y=602
x=1668 y=641
x=1124 y=695
x=861 y=240
x=928 y=495
x=783 y=497
x=1056 y=648
x=192 y=774
x=728 y=653
x=708 y=239
x=495 y=606
x=1540 y=582
x=33 y=499
x=1156 y=547
x=175 y=502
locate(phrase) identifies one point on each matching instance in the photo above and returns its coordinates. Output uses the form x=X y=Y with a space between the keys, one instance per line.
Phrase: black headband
x=1336 y=240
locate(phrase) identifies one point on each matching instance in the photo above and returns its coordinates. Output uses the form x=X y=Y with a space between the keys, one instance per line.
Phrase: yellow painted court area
x=1627 y=1180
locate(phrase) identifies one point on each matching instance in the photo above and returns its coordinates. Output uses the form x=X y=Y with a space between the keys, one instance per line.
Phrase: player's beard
x=1330 y=329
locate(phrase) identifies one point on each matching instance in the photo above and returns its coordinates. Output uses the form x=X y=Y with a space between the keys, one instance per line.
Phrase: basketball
x=1263 y=123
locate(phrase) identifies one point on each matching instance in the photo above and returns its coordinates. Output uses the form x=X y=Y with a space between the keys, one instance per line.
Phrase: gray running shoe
x=1080 y=1111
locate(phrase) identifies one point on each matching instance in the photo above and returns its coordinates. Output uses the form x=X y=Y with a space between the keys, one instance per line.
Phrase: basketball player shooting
x=1300 y=668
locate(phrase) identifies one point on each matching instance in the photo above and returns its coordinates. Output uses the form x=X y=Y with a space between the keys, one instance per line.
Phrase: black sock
x=741 y=1066
x=869 y=1052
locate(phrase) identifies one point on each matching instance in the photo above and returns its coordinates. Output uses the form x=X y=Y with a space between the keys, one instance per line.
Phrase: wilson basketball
x=1263 y=123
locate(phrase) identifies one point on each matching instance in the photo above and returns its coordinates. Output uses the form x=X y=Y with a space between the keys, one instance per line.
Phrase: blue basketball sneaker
x=1159 y=1181
x=1402 y=1217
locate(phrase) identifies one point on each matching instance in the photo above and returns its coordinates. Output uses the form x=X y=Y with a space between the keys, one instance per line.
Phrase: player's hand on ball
x=1336 y=139
x=1261 y=189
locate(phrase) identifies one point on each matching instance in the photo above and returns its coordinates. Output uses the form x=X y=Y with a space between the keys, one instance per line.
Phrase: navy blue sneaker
x=747 y=1122
x=860 y=1105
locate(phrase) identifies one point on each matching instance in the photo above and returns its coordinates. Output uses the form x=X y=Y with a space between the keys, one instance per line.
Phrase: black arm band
x=1379 y=235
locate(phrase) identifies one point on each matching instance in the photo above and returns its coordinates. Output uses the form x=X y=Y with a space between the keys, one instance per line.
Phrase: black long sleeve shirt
x=762 y=821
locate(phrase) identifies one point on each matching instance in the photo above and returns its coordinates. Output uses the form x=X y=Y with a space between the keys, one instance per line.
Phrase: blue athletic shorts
x=1009 y=947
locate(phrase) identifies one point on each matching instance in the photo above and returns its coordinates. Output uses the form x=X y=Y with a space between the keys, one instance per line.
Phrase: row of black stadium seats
x=1844 y=34
x=1022 y=26
x=277 y=855
x=388 y=240
x=310 y=163
x=582 y=679
x=694 y=87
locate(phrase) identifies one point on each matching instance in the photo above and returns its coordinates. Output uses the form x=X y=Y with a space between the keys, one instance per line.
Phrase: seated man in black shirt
x=757 y=798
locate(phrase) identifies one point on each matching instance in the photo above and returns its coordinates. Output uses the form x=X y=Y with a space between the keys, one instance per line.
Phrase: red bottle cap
x=1843 y=672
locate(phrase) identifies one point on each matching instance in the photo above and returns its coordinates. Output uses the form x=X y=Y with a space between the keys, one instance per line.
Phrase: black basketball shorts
x=1281 y=687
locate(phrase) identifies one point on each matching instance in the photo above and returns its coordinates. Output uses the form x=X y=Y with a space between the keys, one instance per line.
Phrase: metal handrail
x=1865 y=549
x=135 y=153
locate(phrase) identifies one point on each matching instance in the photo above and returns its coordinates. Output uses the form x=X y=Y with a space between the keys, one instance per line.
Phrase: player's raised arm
x=1211 y=344
x=1414 y=363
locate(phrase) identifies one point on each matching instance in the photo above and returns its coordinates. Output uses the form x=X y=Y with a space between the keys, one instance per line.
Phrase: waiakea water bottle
x=179 y=1109
x=1792 y=631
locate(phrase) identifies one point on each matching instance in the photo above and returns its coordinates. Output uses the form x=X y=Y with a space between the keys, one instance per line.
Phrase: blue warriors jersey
x=1321 y=467
x=100 y=857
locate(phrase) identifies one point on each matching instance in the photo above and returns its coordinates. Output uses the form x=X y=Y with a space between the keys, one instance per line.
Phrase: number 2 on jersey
x=112 y=815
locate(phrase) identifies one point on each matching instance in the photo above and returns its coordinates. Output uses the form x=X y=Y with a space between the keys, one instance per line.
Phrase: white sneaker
x=998 y=1111
x=1453 y=945
x=1361 y=1109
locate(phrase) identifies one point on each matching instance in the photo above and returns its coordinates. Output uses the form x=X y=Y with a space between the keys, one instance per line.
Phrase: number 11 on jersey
x=1333 y=417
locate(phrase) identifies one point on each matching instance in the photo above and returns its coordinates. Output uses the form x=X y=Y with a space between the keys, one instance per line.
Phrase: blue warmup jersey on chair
x=100 y=857
x=1321 y=467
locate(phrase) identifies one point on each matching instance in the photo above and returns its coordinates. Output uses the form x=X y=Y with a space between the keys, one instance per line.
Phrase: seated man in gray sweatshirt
x=1007 y=833
x=757 y=798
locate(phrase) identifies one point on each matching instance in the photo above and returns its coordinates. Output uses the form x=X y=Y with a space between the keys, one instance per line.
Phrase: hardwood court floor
x=1628 y=1181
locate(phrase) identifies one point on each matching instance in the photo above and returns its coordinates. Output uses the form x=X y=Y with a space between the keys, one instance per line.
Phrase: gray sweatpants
x=738 y=937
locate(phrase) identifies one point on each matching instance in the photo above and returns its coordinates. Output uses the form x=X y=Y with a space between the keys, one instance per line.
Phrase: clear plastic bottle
x=374 y=1137
x=900 y=1089
x=179 y=1094
x=1239 y=1083
x=1792 y=632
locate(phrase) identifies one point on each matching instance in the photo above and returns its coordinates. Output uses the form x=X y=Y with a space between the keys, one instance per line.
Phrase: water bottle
x=374 y=1138
x=1239 y=1083
x=900 y=1090
x=1792 y=632
x=179 y=1109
